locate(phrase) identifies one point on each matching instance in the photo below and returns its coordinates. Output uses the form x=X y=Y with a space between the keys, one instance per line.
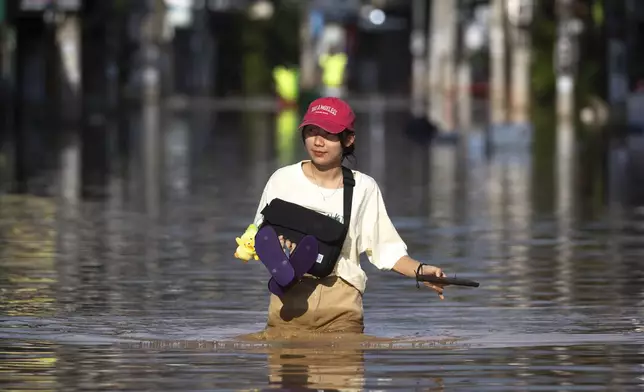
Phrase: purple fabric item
x=302 y=259
x=271 y=254
x=304 y=255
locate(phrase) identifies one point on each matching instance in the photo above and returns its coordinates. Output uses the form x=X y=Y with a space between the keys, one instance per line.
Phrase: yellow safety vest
x=333 y=67
x=287 y=135
x=286 y=83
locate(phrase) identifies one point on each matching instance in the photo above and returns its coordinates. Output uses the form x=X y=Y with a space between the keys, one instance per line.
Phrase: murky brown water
x=141 y=292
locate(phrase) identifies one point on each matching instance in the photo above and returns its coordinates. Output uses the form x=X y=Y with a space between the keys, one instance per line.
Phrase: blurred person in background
x=287 y=89
x=286 y=79
x=333 y=65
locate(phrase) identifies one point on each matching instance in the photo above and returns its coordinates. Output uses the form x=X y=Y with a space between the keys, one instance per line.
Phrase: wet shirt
x=371 y=230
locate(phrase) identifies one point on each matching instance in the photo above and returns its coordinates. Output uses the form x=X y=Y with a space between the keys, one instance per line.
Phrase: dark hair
x=344 y=135
x=347 y=151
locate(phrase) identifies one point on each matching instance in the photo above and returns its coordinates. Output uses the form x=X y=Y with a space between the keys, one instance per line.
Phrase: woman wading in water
x=320 y=216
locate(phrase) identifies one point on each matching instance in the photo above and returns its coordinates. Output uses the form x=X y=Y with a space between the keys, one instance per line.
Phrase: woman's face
x=324 y=148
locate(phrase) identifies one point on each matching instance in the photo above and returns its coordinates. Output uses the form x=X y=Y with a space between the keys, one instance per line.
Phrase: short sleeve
x=378 y=237
x=263 y=201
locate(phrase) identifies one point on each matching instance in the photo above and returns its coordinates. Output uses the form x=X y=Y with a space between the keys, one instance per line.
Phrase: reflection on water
x=115 y=295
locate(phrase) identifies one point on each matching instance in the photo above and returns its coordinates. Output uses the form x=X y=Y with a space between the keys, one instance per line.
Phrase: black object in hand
x=447 y=281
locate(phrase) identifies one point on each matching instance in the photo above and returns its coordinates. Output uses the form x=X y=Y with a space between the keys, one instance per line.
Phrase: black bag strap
x=349 y=183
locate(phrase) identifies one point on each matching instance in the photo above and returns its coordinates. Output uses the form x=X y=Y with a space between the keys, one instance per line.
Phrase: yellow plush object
x=246 y=244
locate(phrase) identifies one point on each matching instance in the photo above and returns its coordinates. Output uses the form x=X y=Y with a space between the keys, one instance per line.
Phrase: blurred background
x=79 y=79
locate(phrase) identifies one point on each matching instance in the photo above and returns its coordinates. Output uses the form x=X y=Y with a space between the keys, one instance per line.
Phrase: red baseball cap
x=329 y=113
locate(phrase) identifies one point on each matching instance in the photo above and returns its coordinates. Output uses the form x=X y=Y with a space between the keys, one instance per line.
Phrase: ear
x=351 y=138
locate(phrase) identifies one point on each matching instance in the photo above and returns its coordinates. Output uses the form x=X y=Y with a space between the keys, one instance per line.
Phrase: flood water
x=141 y=292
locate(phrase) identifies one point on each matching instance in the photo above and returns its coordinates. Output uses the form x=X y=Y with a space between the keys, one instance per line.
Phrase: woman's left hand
x=430 y=270
x=287 y=244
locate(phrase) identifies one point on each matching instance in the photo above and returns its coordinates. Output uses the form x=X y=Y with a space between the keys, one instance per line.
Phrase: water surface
x=140 y=291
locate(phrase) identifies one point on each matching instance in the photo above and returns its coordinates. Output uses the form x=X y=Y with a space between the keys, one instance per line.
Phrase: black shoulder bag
x=294 y=222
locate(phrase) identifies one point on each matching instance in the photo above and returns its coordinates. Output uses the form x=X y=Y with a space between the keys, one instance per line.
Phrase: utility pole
x=433 y=54
x=498 y=99
x=4 y=48
x=470 y=40
x=68 y=46
x=464 y=95
x=152 y=34
x=418 y=44
x=520 y=17
x=442 y=63
x=566 y=57
x=5 y=58
x=616 y=56
x=308 y=64
x=6 y=86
